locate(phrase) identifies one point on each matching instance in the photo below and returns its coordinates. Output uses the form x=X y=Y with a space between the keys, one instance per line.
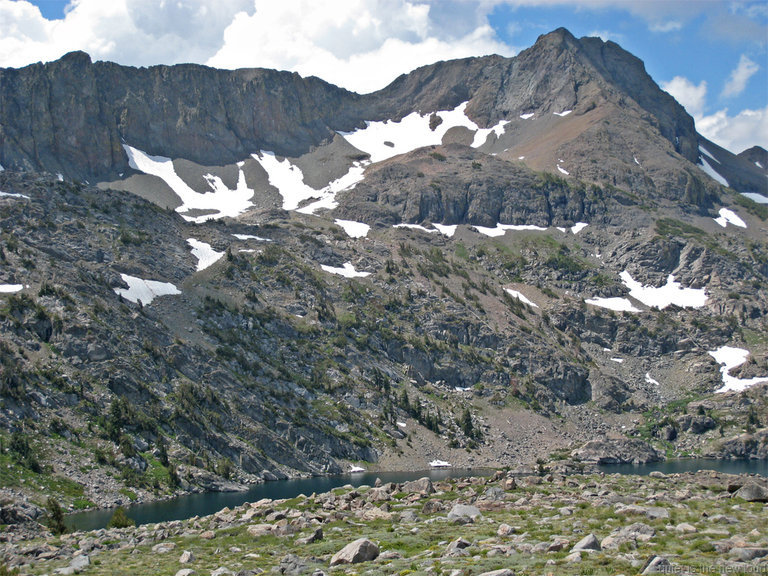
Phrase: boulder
x=657 y=565
x=186 y=557
x=185 y=572
x=752 y=492
x=257 y=530
x=748 y=554
x=617 y=451
x=163 y=547
x=421 y=486
x=457 y=548
x=589 y=542
x=361 y=550
x=316 y=536
x=464 y=514
x=502 y=572
x=291 y=565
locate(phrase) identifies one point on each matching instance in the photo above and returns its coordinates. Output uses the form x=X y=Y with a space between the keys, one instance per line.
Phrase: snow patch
x=356 y=469
x=446 y=229
x=521 y=157
x=671 y=293
x=729 y=217
x=416 y=227
x=502 y=229
x=482 y=133
x=636 y=160
x=206 y=256
x=145 y=291
x=650 y=380
x=401 y=424
x=563 y=114
x=706 y=153
x=618 y=360
x=353 y=229
x=348 y=271
x=251 y=237
x=439 y=464
x=289 y=181
x=755 y=197
x=521 y=297
x=578 y=227
x=10 y=288
x=615 y=304
x=388 y=138
x=711 y=172
x=731 y=357
x=10 y=195
x=222 y=201
x=527 y=116
x=563 y=170
x=756 y=164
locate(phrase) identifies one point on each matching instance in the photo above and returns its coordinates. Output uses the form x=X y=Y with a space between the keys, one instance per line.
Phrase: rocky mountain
x=213 y=277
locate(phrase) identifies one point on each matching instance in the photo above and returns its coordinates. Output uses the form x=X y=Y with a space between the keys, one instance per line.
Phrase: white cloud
x=737 y=82
x=359 y=44
x=134 y=32
x=735 y=133
x=693 y=97
x=670 y=26
x=606 y=35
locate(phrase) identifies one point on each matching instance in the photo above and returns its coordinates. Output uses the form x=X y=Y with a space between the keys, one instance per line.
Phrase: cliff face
x=73 y=115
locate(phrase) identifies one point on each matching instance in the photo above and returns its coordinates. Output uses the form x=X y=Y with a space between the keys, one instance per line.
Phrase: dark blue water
x=690 y=465
x=210 y=502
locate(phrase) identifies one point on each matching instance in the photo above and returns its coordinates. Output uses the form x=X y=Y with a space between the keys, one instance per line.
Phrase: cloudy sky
x=712 y=55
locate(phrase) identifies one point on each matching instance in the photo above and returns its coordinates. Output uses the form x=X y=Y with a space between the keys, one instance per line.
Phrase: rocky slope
x=487 y=261
x=495 y=526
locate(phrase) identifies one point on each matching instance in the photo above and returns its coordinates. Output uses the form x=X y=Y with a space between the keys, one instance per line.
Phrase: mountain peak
x=76 y=58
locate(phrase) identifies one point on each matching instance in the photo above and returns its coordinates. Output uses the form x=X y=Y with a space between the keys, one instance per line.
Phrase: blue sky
x=711 y=55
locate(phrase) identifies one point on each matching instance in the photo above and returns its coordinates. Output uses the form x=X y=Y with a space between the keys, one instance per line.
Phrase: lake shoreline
x=570 y=523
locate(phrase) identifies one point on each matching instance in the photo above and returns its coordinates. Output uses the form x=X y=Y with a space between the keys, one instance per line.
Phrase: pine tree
x=55 y=517
x=120 y=519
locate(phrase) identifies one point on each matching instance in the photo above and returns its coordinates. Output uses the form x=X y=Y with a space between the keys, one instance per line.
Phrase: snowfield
x=521 y=297
x=222 y=201
x=348 y=271
x=289 y=181
x=730 y=358
x=206 y=256
x=502 y=229
x=439 y=464
x=10 y=288
x=615 y=304
x=729 y=217
x=706 y=164
x=9 y=195
x=755 y=197
x=671 y=293
x=145 y=291
x=389 y=138
x=251 y=237
x=353 y=229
